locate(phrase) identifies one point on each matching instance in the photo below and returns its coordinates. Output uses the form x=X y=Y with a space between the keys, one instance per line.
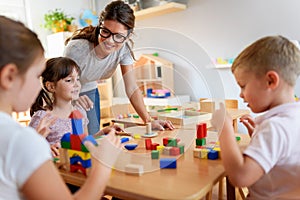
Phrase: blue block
x=212 y=155
x=77 y=126
x=66 y=137
x=91 y=139
x=124 y=139
x=77 y=159
x=168 y=163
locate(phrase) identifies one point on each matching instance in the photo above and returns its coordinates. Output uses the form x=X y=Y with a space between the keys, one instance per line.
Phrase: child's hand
x=248 y=121
x=220 y=118
x=45 y=123
x=85 y=102
x=54 y=150
x=108 y=149
x=161 y=125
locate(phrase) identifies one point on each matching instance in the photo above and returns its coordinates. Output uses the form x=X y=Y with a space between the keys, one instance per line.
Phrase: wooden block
x=168 y=163
x=155 y=154
x=134 y=169
x=197 y=153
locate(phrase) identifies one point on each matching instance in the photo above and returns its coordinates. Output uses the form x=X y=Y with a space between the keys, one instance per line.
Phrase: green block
x=84 y=149
x=181 y=148
x=172 y=142
x=238 y=138
x=135 y=116
x=66 y=145
x=155 y=154
x=200 y=141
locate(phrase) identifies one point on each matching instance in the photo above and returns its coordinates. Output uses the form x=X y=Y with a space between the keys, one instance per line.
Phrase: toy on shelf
x=158 y=93
x=152 y=71
x=73 y=154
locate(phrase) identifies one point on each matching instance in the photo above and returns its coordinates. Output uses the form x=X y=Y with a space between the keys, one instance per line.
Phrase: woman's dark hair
x=56 y=69
x=118 y=11
x=18 y=44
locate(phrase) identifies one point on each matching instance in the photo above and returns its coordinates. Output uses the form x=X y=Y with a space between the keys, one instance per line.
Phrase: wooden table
x=193 y=178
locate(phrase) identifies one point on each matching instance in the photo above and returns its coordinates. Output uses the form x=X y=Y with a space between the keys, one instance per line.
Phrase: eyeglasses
x=117 y=37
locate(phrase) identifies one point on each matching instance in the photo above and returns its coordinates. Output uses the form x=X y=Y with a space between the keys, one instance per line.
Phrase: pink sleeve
x=36 y=118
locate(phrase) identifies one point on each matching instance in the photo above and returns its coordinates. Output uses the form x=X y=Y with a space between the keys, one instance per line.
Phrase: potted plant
x=57 y=21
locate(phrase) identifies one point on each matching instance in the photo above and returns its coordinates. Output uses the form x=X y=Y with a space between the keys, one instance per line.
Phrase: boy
x=266 y=72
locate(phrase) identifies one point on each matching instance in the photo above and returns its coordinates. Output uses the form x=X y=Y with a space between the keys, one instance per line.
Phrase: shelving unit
x=159 y=10
x=105 y=90
x=153 y=72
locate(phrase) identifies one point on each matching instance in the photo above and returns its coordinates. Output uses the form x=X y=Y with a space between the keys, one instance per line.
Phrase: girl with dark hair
x=99 y=50
x=60 y=89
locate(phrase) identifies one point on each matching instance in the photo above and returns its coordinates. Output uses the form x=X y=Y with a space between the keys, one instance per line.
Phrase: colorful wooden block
x=167 y=150
x=197 y=153
x=148 y=143
x=212 y=155
x=175 y=151
x=181 y=148
x=204 y=153
x=124 y=139
x=154 y=146
x=166 y=141
x=155 y=154
x=66 y=137
x=77 y=127
x=160 y=148
x=172 y=142
x=201 y=130
x=200 y=141
x=168 y=163
x=134 y=169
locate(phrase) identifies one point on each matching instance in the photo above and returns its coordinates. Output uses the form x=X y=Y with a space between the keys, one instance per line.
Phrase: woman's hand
x=107 y=129
x=161 y=125
x=43 y=127
x=248 y=121
x=85 y=102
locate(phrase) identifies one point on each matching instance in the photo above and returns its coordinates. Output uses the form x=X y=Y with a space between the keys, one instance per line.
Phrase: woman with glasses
x=98 y=51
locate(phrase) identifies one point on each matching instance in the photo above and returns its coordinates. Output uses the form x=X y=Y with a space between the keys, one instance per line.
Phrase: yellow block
x=137 y=136
x=203 y=153
x=160 y=148
x=83 y=155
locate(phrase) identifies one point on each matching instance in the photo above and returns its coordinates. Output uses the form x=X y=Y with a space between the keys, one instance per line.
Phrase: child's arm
x=51 y=185
x=242 y=170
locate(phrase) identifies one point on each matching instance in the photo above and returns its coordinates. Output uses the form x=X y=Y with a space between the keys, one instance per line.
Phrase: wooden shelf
x=159 y=10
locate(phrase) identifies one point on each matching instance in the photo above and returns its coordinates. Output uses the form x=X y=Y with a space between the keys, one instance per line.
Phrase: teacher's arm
x=133 y=92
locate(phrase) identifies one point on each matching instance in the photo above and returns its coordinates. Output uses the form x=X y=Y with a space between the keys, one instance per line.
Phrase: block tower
x=73 y=154
x=201 y=150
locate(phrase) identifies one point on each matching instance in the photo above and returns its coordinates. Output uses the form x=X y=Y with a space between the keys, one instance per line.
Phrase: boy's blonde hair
x=271 y=53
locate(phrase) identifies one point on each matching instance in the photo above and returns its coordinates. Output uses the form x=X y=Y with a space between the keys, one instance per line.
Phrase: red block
x=165 y=141
x=76 y=141
x=175 y=151
x=78 y=167
x=148 y=143
x=154 y=146
x=75 y=114
x=201 y=130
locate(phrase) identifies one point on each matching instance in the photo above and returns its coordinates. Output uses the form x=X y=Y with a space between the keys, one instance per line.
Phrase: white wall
x=222 y=28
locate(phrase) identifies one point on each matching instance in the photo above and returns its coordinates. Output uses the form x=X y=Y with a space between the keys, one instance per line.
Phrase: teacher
x=99 y=50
